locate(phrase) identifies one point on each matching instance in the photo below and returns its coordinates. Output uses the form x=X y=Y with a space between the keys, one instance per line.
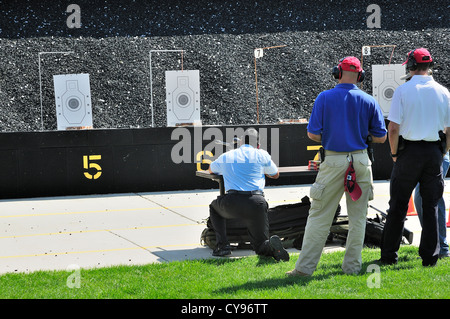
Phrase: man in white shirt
x=420 y=108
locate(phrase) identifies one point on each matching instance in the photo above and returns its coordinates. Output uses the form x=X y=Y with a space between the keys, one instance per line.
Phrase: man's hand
x=273 y=176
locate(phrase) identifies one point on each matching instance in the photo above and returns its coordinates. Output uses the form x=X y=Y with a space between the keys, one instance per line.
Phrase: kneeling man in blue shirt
x=244 y=170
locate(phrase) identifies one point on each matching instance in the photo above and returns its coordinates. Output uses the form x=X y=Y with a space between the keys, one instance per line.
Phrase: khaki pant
x=326 y=194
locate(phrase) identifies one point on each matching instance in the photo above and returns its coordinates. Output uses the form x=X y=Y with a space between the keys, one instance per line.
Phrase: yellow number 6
x=203 y=161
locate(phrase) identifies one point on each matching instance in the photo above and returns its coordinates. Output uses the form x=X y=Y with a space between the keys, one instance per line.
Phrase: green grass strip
x=249 y=277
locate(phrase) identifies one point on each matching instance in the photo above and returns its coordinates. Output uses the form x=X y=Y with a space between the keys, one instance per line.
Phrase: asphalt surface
x=60 y=233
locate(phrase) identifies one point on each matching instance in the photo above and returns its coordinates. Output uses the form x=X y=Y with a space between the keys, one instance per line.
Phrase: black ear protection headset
x=337 y=72
x=411 y=63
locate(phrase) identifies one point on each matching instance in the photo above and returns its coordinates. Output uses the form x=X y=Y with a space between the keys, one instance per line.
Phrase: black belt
x=257 y=192
x=422 y=142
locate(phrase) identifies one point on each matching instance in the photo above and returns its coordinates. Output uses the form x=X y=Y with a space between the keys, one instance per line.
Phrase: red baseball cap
x=348 y=62
x=350 y=184
x=421 y=55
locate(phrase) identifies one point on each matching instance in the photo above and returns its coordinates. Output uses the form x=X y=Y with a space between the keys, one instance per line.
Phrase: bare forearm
x=315 y=137
x=380 y=140
x=393 y=143
x=394 y=132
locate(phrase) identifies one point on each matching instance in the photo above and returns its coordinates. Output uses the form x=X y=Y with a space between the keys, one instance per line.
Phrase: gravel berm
x=219 y=39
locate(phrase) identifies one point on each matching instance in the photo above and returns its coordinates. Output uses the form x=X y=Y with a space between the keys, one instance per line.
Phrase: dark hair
x=423 y=66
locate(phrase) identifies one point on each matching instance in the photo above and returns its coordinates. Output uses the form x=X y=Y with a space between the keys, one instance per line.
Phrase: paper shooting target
x=73 y=101
x=385 y=79
x=183 y=97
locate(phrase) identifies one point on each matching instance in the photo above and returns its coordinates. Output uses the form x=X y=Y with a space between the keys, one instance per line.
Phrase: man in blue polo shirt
x=244 y=170
x=342 y=118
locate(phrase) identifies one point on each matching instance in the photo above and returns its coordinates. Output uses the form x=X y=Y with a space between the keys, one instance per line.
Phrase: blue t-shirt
x=344 y=116
x=243 y=169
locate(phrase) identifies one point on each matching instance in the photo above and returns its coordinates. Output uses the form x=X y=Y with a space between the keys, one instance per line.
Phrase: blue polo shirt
x=243 y=169
x=344 y=116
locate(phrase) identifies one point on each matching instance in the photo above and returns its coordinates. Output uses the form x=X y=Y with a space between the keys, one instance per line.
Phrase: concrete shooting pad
x=129 y=229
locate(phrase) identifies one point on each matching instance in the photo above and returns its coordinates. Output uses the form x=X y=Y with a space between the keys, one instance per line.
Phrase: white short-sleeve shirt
x=421 y=107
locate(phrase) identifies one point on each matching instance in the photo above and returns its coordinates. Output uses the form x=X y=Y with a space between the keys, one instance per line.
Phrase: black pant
x=252 y=209
x=419 y=162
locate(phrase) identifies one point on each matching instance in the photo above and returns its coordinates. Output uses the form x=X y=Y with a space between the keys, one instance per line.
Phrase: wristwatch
x=394 y=155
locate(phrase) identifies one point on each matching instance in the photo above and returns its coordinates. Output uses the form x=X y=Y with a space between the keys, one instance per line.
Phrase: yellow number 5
x=88 y=164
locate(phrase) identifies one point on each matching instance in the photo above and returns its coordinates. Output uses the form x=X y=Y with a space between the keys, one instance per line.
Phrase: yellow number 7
x=88 y=164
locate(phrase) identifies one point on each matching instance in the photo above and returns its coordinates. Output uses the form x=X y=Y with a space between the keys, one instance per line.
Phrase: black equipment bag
x=289 y=221
x=374 y=230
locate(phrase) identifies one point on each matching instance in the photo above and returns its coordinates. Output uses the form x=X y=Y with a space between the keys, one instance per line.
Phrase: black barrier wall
x=79 y=162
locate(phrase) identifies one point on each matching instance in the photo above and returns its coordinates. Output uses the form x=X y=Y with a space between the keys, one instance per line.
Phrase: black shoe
x=222 y=251
x=279 y=253
x=385 y=262
x=427 y=264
